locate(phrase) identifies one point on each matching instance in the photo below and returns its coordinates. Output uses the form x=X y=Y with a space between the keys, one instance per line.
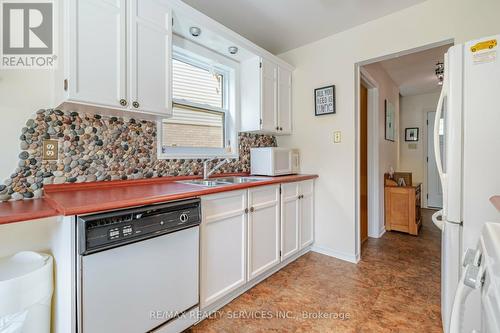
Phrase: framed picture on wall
x=324 y=100
x=411 y=134
x=390 y=113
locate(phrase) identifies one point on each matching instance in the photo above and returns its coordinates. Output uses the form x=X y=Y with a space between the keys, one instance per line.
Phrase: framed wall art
x=390 y=114
x=411 y=134
x=324 y=100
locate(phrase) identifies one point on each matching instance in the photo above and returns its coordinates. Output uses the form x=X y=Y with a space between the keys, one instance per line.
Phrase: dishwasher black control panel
x=99 y=232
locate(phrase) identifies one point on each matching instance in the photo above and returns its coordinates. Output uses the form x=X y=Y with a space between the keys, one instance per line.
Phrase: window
x=203 y=122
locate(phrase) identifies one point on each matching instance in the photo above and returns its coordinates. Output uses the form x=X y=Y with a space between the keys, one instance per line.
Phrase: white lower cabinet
x=223 y=245
x=290 y=214
x=263 y=229
x=306 y=213
x=246 y=233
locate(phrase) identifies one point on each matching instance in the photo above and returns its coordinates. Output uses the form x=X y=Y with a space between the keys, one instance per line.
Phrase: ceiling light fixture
x=195 y=31
x=233 y=49
x=439 y=71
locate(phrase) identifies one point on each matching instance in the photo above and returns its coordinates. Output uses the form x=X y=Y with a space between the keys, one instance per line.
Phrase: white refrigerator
x=467 y=125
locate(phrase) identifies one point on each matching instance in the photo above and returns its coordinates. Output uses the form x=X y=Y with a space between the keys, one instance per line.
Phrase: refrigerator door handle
x=437 y=148
x=438 y=222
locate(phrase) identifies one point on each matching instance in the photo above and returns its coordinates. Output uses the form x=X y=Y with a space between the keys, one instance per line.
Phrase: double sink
x=223 y=181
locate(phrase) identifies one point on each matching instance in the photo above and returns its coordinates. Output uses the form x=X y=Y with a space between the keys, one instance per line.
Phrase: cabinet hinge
x=427 y=196
x=280 y=253
x=260 y=64
x=261 y=121
x=65 y=85
x=172 y=21
x=427 y=159
x=280 y=190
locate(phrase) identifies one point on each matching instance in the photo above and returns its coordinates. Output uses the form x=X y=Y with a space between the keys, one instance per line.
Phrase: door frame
x=357 y=81
x=374 y=228
x=426 y=133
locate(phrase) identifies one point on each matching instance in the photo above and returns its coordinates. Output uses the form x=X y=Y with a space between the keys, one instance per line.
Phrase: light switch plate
x=337 y=137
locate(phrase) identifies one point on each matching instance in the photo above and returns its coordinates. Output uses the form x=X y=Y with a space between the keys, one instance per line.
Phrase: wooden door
x=290 y=216
x=263 y=229
x=223 y=245
x=363 y=160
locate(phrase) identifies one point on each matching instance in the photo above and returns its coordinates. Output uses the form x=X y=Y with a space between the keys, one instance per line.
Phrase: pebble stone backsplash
x=100 y=148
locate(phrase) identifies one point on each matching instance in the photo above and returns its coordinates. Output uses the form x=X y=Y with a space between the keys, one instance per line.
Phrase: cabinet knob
x=252 y=209
x=135 y=104
x=123 y=102
x=281 y=128
x=277 y=128
x=246 y=210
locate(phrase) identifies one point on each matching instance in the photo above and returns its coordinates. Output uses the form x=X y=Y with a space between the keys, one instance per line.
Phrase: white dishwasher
x=137 y=269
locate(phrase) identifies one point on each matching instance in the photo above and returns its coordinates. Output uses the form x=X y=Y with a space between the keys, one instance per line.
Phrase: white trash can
x=26 y=286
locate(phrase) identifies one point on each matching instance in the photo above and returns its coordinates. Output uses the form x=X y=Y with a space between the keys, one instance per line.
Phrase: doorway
x=434 y=187
x=363 y=162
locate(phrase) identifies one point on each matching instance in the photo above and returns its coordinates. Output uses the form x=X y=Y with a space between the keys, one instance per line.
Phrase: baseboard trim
x=381 y=233
x=336 y=254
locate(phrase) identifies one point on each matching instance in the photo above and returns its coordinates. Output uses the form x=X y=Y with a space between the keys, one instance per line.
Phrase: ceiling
x=282 y=25
x=414 y=73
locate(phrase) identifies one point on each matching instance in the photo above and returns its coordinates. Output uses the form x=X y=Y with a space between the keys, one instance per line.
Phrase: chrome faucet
x=206 y=172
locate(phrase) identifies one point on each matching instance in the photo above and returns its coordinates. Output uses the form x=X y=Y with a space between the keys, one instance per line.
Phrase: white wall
x=413 y=113
x=388 y=151
x=22 y=93
x=332 y=61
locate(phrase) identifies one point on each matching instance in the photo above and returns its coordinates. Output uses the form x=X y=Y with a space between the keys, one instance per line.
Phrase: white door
x=290 y=215
x=269 y=94
x=98 y=52
x=306 y=213
x=434 y=186
x=150 y=57
x=284 y=101
x=263 y=229
x=223 y=245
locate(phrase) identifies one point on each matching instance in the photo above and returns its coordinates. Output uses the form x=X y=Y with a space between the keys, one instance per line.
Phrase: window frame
x=201 y=57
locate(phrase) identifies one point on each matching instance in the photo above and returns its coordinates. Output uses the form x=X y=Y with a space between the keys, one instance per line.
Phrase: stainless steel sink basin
x=205 y=183
x=239 y=180
x=214 y=182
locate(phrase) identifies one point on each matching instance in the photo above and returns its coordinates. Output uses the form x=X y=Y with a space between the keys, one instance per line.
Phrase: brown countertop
x=25 y=210
x=84 y=198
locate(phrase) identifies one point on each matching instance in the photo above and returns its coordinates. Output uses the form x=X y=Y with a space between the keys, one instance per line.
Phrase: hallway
x=395 y=288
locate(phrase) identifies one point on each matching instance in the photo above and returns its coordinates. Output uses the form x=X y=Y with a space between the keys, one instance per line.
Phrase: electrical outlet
x=337 y=137
x=50 y=150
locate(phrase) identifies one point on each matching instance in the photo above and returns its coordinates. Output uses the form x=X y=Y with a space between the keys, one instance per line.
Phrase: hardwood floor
x=394 y=288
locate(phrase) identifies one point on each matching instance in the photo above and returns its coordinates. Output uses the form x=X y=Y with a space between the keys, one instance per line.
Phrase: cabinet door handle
x=277 y=128
x=135 y=104
x=252 y=209
x=123 y=102
x=281 y=128
x=246 y=210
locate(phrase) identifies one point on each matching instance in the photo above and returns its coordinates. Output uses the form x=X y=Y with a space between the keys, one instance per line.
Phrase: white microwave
x=274 y=161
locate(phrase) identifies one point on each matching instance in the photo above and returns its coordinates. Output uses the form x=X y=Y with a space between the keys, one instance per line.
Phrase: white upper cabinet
x=266 y=105
x=98 y=52
x=120 y=55
x=284 y=100
x=269 y=93
x=150 y=54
